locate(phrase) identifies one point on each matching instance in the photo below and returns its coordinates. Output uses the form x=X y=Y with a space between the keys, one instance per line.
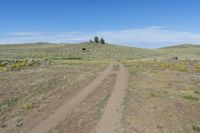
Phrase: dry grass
x=24 y=90
x=163 y=95
x=160 y=100
x=196 y=128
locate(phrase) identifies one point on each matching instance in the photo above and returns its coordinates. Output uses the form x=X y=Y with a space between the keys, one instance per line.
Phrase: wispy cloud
x=143 y=37
x=26 y=33
x=151 y=37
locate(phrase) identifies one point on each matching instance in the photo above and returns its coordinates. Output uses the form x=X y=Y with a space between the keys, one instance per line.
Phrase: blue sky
x=141 y=23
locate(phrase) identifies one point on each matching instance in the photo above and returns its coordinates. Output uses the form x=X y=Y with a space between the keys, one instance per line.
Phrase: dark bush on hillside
x=96 y=39
x=91 y=41
x=102 y=41
x=83 y=49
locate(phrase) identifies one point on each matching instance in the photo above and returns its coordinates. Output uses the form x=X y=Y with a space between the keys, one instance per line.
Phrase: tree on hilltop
x=102 y=41
x=96 y=39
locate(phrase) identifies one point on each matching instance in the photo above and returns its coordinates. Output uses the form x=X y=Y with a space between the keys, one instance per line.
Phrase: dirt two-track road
x=96 y=108
x=110 y=119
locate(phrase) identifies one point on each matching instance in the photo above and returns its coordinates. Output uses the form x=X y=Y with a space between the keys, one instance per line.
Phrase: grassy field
x=163 y=95
x=61 y=51
x=43 y=86
x=184 y=51
x=93 y=51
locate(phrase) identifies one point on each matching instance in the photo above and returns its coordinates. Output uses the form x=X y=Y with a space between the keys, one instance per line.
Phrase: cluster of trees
x=97 y=40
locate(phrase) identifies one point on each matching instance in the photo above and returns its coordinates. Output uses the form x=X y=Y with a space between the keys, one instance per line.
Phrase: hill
x=62 y=51
x=93 y=51
x=182 y=46
x=184 y=50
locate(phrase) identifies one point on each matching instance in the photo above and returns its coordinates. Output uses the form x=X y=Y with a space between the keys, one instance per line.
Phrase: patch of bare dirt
x=85 y=116
x=110 y=119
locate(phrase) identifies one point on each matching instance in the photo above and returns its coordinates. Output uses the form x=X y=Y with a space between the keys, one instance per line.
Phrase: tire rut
x=84 y=117
x=61 y=113
x=110 y=119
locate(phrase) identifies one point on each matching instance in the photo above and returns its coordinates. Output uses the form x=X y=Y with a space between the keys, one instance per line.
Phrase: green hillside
x=61 y=51
x=93 y=51
x=184 y=51
x=182 y=46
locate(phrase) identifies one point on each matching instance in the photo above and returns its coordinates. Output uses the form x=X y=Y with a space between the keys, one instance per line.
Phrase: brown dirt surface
x=84 y=117
x=62 y=112
x=109 y=121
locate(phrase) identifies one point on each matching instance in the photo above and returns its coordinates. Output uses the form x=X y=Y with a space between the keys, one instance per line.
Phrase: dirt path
x=111 y=117
x=61 y=113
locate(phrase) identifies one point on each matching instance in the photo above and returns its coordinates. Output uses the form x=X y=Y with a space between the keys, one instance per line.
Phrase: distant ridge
x=182 y=46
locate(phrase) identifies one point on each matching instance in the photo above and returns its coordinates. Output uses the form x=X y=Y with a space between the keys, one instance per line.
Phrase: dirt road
x=95 y=108
x=109 y=122
x=62 y=112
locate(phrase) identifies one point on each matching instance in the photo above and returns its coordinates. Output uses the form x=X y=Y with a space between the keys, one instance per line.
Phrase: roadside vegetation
x=163 y=96
x=42 y=86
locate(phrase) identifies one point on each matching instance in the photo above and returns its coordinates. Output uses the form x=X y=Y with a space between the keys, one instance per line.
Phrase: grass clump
x=191 y=97
x=198 y=68
x=3 y=125
x=18 y=64
x=5 y=106
x=2 y=68
x=68 y=58
x=196 y=128
x=174 y=66
x=2 y=65
x=19 y=122
x=154 y=95
x=196 y=92
x=27 y=106
x=180 y=67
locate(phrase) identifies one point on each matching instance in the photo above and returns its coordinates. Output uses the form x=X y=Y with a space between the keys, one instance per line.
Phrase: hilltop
x=184 y=50
x=181 y=46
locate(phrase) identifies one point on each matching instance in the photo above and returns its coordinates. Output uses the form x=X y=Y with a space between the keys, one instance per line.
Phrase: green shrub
x=197 y=92
x=196 y=128
x=5 y=106
x=198 y=68
x=191 y=97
